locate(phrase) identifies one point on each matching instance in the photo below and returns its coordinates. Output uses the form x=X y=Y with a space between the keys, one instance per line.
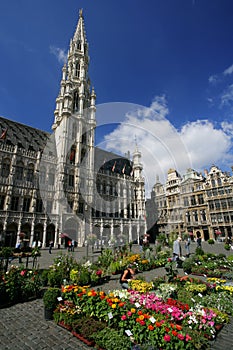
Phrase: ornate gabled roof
x=26 y=137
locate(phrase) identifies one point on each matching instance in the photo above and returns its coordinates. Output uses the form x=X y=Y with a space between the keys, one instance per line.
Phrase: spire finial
x=81 y=13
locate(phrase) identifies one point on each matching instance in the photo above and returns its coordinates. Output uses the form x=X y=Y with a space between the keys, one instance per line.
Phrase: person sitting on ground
x=127 y=275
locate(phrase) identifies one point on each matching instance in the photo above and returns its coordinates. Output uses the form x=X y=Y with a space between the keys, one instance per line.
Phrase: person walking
x=141 y=244
x=198 y=239
x=177 y=249
x=50 y=247
x=187 y=246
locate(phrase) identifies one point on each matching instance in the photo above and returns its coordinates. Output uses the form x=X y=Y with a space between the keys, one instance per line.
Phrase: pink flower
x=142 y=323
x=187 y=338
x=23 y=272
x=123 y=317
x=129 y=313
x=167 y=337
x=180 y=336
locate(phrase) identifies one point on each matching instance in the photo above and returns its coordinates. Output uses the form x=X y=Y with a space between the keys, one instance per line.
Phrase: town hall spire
x=76 y=93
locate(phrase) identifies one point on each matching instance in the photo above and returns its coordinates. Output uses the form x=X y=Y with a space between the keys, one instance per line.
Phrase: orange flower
x=121 y=304
x=174 y=333
x=141 y=317
x=158 y=324
x=140 y=312
x=102 y=297
x=150 y=327
x=101 y=293
x=178 y=327
x=133 y=310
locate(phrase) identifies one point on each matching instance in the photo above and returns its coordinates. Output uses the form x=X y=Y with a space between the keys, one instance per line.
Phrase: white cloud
x=229 y=70
x=60 y=54
x=213 y=79
x=227 y=96
x=206 y=144
x=197 y=145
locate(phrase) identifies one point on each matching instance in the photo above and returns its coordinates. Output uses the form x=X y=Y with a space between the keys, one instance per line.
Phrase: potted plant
x=187 y=265
x=50 y=301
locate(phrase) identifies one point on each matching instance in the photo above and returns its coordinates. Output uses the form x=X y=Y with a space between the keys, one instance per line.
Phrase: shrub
x=86 y=326
x=110 y=339
x=227 y=246
x=50 y=298
x=211 y=241
x=199 y=251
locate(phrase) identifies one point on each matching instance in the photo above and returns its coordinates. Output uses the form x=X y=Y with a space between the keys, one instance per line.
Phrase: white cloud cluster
x=60 y=54
x=227 y=96
x=228 y=71
x=197 y=145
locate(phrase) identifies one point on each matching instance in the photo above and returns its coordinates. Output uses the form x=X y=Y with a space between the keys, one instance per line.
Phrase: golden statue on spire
x=80 y=12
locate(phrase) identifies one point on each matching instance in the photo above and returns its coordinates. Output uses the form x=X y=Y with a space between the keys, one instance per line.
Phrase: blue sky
x=173 y=56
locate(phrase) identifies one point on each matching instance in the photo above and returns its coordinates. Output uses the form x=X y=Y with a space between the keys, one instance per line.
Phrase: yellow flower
x=113 y=306
x=141 y=317
x=133 y=310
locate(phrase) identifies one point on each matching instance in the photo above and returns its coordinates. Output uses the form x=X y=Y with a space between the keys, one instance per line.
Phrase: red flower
x=174 y=333
x=142 y=322
x=167 y=337
x=150 y=327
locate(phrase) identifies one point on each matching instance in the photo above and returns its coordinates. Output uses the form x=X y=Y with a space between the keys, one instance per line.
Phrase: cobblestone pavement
x=23 y=326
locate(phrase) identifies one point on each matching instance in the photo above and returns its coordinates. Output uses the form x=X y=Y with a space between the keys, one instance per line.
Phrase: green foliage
x=86 y=326
x=211 y=241
x=199 y=251
x=227 y=246
x=50 y=297
x=60 y=270
x=106 y=257
x=187 y=264
x=6 y=252
x=21 y=284
x=111 y=339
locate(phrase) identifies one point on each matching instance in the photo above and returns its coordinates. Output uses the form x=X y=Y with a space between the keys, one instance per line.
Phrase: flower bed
x=143 y=317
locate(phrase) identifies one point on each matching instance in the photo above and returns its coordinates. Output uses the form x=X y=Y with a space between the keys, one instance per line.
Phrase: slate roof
x=26 y=137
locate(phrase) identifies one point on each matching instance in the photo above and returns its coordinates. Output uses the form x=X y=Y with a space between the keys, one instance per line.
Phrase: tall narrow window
x=77 y=70
x=30 y=172
x=14 y=203
x=5 y=169
x=19 y=170
x=2 y=201
x=26 y=204
x=51 y=178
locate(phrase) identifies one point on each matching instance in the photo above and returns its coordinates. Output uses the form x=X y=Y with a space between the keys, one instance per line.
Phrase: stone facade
x=59 y=186
x=193 y=203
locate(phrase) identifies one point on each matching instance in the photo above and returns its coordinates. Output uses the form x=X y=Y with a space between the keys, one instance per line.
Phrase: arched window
x=5 y=169
x=19 y=170
x=30 y=172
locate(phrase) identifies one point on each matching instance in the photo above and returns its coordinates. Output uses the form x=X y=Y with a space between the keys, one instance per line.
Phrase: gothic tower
x=74 y=130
